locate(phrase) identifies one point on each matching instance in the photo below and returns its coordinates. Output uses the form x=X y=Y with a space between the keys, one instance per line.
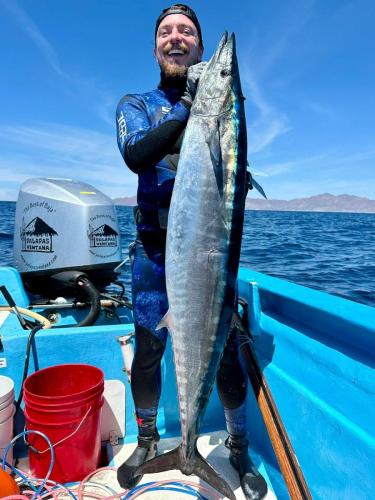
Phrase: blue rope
x=18 y=472
x=58 y=486
x=11 y=444
x=31 y=485
x=174 y=486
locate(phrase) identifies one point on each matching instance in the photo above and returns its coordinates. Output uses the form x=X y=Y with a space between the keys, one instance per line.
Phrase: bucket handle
x=61 y=440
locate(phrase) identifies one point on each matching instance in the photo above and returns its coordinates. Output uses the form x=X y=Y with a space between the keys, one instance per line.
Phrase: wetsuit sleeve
x=141 y=144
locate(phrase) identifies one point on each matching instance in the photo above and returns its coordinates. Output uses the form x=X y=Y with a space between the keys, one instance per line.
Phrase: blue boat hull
x=316 y=351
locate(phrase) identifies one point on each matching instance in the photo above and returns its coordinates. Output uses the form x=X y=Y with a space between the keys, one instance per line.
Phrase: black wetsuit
x=149 y=134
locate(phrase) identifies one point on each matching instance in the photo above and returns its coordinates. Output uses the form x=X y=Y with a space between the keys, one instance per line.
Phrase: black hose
x=94 y=297
x=73 y=279
x=121 y=285
x=27 y=361
x=122 y=301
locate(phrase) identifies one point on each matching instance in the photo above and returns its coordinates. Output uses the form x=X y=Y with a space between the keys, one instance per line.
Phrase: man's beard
x=173 y=71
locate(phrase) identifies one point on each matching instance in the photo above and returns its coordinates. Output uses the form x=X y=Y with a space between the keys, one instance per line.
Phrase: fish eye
x=224 y=72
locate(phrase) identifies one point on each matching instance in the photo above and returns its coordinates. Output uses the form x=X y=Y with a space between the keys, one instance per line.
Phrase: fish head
x=219 y=82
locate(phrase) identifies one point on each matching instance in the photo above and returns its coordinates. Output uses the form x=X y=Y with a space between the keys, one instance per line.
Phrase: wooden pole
x=289 y=466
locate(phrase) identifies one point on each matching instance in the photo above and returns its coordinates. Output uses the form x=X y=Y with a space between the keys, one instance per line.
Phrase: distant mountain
x=129 y=201
x=320 y=203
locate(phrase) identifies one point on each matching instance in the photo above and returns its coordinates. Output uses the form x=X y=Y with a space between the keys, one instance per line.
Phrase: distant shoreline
x=322 y=203
x=343 y=203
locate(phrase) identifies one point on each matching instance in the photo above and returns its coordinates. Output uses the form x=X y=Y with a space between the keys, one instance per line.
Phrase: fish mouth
x=223 y=56
x=222 y=44
x=225 y=53
x=216 y=89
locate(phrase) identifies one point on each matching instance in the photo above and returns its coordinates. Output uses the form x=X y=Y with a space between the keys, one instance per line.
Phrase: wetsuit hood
x=185 y=10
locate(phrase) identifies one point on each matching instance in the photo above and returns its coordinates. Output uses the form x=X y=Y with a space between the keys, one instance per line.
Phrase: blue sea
x=333 y=252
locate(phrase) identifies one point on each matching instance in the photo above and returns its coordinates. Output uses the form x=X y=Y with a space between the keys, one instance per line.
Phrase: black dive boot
x=146 y=449
x=253 y=484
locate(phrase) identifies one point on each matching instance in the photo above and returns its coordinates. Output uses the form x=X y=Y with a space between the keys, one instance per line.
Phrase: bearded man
x=150 y=129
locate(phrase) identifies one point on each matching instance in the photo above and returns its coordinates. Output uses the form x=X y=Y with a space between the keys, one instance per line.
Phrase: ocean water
x=333 y=252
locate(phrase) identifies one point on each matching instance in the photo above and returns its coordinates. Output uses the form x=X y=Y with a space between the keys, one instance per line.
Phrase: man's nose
x=175 y=35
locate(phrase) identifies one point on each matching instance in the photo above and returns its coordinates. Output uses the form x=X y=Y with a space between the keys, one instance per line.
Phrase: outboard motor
x=66 y=237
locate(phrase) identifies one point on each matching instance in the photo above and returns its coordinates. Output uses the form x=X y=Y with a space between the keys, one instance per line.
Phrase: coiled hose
x=78 y=280
x=94 y=298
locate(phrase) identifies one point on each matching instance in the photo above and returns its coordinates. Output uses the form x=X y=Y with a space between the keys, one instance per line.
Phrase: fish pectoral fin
x=259 y=188
x=166 y=322
x=216 y=157
x=252 y=183
x=196 y=465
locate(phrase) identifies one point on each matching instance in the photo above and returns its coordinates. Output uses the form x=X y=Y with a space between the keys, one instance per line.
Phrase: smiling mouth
x=176 y=53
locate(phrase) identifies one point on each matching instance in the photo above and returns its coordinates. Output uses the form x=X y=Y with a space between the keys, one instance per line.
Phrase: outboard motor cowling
x=65 y=225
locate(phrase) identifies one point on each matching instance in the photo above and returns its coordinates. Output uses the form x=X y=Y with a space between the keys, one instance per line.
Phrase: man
x=150 y=128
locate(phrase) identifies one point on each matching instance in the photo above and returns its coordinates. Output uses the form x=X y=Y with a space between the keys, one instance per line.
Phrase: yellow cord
x=26 y=312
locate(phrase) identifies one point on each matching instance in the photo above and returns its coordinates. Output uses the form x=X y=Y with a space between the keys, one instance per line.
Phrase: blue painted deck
x=317 y=353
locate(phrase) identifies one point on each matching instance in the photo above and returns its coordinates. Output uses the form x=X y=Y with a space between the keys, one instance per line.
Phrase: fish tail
x=196 y=465
x=160 y=463
x=203 y=470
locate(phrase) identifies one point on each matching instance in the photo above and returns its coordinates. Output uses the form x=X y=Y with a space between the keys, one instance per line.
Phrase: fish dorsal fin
x=166 y=322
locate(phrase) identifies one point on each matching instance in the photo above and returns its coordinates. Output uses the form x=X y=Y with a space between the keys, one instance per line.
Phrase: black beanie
x=180 y=8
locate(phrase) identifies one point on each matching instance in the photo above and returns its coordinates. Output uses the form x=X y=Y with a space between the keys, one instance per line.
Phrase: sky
x=307 y=70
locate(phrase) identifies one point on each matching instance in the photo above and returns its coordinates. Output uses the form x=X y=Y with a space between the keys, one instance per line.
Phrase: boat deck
x=211 y=446
x=316 y=352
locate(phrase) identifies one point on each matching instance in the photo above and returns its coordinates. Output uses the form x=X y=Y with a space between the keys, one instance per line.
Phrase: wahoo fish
x=203 y=249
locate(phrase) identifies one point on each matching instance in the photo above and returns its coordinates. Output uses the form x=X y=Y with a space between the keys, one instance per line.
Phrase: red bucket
x=54 y=414
x=63 y=384
x=64 y=402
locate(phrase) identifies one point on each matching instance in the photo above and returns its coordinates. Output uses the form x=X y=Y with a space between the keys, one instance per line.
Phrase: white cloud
x=255 y=172
x=105 y=108
x=257 y=68
x=327 y=172
x=319 y=109
x=339 y=159
x=270 y=123
x=60 y=151
x=290 y=189
x=39 y=40
x=274 y=169
x=88 y=88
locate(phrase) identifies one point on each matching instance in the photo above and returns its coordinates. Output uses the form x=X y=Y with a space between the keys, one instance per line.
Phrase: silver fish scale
x=200 y=241
x=196 y=278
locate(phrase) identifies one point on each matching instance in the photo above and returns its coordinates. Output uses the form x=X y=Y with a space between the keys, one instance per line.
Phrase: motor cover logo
x=37 y=236
x=104 y=240
x=102 y=236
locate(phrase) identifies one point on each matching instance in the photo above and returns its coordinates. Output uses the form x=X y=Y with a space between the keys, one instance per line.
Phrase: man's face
x=177 y=45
